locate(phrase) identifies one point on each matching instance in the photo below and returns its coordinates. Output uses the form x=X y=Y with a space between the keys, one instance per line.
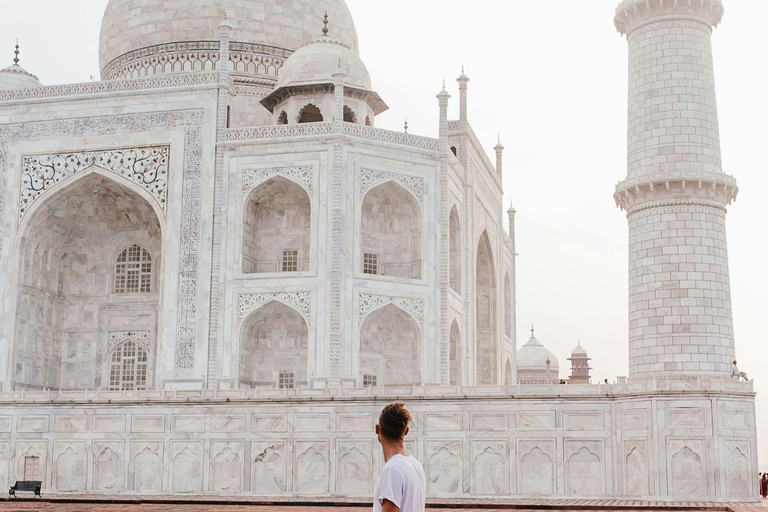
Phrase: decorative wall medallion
x=140 y=337
x=249 y=301
x=302 y=174
x=367 y=303
x=370 y=177
x=147 y=167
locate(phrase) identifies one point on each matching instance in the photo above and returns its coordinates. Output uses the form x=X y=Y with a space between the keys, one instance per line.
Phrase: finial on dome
x=225 y=15
x=531 y=330
x=16 y=54
x=406 y=125
x=339 y=62
x=325 y=24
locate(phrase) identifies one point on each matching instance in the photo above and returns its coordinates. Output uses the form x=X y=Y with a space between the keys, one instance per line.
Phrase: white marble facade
x=216 y=228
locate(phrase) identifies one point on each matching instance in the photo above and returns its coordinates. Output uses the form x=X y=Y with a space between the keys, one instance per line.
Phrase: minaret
x=499 y=150
x=463 y=81
x=675 y=194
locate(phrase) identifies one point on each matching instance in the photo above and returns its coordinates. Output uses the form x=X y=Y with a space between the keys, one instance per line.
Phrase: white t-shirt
x=402 y=482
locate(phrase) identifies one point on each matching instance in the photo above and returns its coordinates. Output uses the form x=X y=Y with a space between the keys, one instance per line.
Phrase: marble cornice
x=710 y=189
x=633 y=14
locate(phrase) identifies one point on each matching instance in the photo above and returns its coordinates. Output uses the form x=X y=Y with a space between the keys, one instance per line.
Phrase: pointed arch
x=486 y=324
x=274 y=347
x=133 y=270
x=507 y=307
x=277 y=227
x=81 y=225
x=508 y=380
x=454 y=249
x=391 y=234
x=282 y=118
x=455 y=354
x=310 y=113
x=390 y=347
x=349 y=115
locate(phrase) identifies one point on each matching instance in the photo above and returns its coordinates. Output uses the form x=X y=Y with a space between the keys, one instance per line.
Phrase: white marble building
x=215 y=269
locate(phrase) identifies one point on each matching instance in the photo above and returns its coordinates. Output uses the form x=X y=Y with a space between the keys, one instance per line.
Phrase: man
x=402 y=485
x=736 y=373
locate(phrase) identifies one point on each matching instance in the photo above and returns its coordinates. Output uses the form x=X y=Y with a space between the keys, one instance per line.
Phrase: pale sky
x=551 y=79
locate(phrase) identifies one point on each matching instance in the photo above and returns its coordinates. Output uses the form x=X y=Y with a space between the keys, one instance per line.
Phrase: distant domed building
x=579 y=366
x=536 y=364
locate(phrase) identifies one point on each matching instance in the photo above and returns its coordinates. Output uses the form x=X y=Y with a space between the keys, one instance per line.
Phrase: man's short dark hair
x=393 y=421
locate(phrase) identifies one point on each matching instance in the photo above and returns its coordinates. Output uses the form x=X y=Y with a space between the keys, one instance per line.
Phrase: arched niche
x=390 y=342
x=455 y=355
x=282 y=118
x=485 y=313
x=508 y=373
x=391 y=232
x=349 y=115
x=310 y=113
x=72 y=239
x=273 y=348
x=454 y=250
x=507 y=307
x=276 y=228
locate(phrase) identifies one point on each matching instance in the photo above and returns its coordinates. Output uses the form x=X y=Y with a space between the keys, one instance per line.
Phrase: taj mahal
x=215 y=270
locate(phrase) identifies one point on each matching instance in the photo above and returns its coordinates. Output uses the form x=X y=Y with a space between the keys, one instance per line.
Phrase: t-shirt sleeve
x=390 y=487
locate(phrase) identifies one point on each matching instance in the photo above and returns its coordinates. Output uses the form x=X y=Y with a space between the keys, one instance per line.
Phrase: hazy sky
x=550 y=79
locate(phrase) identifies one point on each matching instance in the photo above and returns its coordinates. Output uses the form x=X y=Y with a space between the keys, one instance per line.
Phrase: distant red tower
x=579 y=366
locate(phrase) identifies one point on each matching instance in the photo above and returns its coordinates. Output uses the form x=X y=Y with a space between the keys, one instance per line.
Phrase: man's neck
x=393 y=448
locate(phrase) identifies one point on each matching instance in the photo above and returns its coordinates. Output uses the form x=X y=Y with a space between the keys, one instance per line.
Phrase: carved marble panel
x=443 y=467
x=636 y=467
x=109 y=423
x=5 y=424
x=685 y=417
x=185 y=423
x=488 y=421
x=540 y=420
x=490 y=467
x=186 y=466
x=735 y=419
x=268 y=467
x=108 y=466
x=254 y=177
x=347 y=422
x=4 y=455
x=312 y=422
x=367 y=303
x=265 y=423
x=537 y=466
x=71 y=423
x=228 y=423
x=686 y=472
x=227 y=466
x=147 y=466
x=69 y=466
x=371 y=177
x=32 y=456
x=32 y=424
x=591 y=420
x=148 y=423
x=247 y=302
x=634 y=420
x=311 y=466
x=443 y=421
x=738 y=477
x=354 y=467
x=585 y=474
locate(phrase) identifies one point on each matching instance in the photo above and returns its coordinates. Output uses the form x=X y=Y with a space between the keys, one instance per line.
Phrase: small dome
x=15 y=77
x=533 y=356
x=316 y=62
x=579 y=351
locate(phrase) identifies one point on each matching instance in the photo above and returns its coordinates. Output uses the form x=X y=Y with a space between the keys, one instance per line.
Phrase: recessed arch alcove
x=274 y=347
x=390 y=348
x=89 y=250
x=454 y=250
x=507 y=307
x=485 y=313
x=391 y=235
x=455 y=354
x=276 y=228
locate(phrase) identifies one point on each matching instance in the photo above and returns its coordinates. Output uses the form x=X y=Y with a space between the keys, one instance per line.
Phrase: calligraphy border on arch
x=371 y=177
x=368 y=302
x=191 y=122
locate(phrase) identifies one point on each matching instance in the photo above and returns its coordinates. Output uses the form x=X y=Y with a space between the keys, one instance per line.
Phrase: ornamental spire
x=325 y=24
x=16 y=54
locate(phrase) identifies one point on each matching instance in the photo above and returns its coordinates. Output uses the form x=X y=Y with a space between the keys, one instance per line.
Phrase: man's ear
x=407 y=429
x=377 y=430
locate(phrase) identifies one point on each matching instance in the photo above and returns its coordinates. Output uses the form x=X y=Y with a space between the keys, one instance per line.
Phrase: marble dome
x=533 y=356
x=131 y=25
x=316 y=62
x=16 y=77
